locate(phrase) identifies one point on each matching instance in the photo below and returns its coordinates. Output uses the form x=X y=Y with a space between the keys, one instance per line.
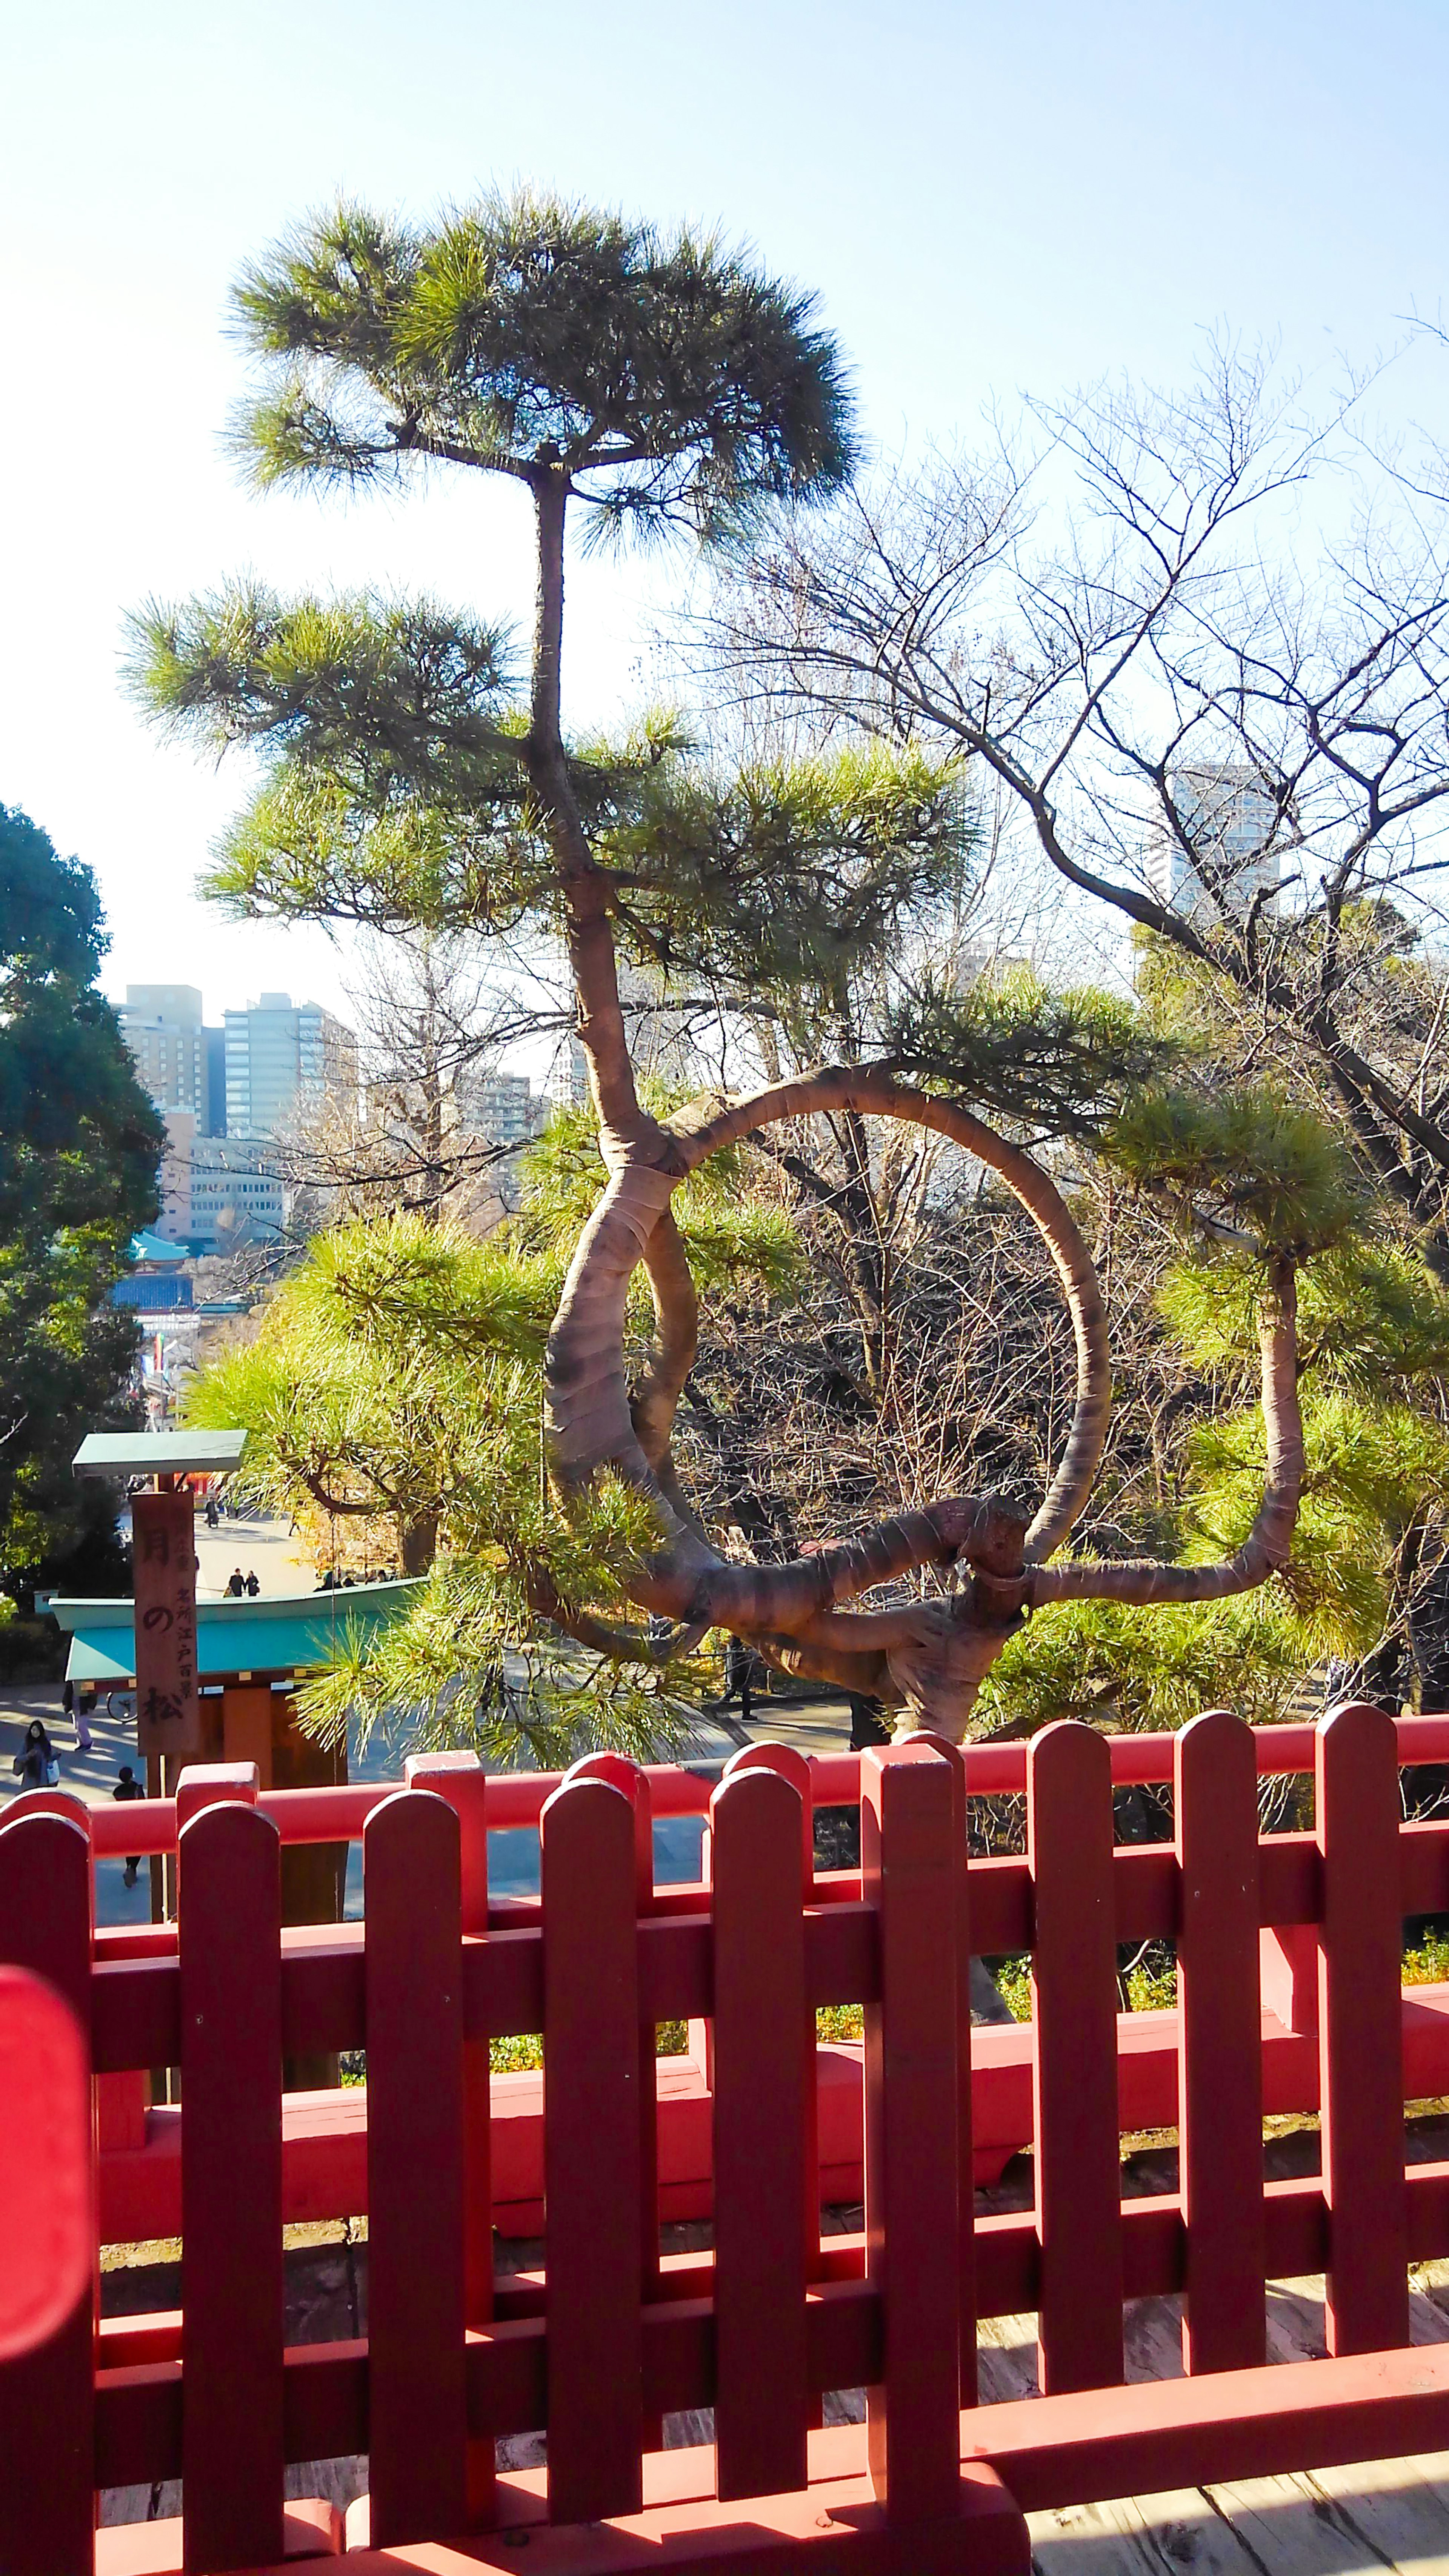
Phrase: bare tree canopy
x=1153 y=618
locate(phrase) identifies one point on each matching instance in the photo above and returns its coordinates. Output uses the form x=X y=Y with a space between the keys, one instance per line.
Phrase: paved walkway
x=91 y=1776
x=266 y=1548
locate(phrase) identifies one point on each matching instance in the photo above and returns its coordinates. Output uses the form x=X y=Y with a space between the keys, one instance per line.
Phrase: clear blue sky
x=984 y=197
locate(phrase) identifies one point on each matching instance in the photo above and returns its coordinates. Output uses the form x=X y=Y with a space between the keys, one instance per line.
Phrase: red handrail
x=516 y=1798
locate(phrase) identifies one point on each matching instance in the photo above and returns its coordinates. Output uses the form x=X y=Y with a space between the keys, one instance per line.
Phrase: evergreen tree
x=649 y=386
x=79 y=1149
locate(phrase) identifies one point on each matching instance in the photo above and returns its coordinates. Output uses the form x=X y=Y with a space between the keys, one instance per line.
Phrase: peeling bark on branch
x=930 y=1656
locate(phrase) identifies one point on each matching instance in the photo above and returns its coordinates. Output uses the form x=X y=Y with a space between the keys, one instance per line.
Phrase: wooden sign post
x=168 y=1707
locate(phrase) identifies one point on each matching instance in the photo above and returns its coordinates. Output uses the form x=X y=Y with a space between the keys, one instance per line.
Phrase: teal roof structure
x=154 y=1247
x=287 y=1633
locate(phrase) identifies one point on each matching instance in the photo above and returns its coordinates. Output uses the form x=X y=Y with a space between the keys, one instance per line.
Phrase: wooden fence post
x=909 y=1875
x=417 y=2362
x=47 y=2396
x=787 y=1763
x=229 y=1918
x=960 y=1836
x=593 y=2135
x=1220 y=2045
x=460 y=1779
x=1360 y=2031
x=764 y=2086
x=1074 y=2014
x=629 y=1780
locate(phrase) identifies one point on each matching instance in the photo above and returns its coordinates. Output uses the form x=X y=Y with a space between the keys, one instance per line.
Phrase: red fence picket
x=910 y=1873
x=1359 y=2025
x=461 y=1780
x=593 y=2122
x=417 y=2391
x=960 y=1839
x=47 y=2396
x=787 y=1763
x=229 y=1911
x=1220 y=2055
x=629 y=1780
x=764 y=2077
x=1074 y=2009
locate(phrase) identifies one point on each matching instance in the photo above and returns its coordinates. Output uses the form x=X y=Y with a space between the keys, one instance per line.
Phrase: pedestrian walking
x=253 y=1587
x=739 y=1674
x=237 y=1584
x=128 y=1786
x=85 y=1710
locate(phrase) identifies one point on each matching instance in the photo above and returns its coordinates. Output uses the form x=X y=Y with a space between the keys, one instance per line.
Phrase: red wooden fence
x=609 y=2337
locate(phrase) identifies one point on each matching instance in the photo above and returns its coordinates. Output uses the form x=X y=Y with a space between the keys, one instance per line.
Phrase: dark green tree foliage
x=79 y=1148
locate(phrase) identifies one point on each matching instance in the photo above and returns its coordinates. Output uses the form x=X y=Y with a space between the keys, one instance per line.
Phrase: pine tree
x=645 y=387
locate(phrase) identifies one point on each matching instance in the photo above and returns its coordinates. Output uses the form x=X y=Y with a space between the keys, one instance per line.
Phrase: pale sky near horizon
x=984 y=198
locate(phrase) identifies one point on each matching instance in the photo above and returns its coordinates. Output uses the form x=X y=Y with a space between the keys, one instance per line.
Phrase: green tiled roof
x=292 y=1632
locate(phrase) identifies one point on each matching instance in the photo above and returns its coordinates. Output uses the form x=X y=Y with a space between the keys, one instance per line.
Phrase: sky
x=984 y=198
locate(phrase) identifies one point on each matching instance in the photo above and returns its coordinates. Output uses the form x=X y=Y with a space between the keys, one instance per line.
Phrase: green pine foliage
x=79 y=1149
x=1062 y=1061
x=397 y=1378
x=680 y=383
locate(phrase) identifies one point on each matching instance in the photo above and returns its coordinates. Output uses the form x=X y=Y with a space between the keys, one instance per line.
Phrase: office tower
x=568 y=1075
x=279 y=1053
x=179 y=1060
x=161 y=1024
x=1229 y=821
x=503 y=1107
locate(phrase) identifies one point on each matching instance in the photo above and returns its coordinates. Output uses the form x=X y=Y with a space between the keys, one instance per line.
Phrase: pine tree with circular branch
x=641 y=386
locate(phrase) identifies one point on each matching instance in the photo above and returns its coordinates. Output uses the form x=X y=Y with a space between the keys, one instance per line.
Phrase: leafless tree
x=1154 y=619
x=432 y=1017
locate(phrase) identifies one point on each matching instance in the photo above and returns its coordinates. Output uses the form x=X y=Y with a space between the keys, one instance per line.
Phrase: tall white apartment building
x=278 y=1052
x=1228 y=821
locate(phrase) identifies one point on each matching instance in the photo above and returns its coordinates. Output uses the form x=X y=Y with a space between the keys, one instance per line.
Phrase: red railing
x=517 y=1799
x=609 y=2336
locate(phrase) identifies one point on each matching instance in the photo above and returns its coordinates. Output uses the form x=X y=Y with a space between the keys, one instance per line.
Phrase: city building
x=568 y=1075
x=182 y=1129
x=279 y=1052
x=178 y=1058
x=1229 y=822
x=504 y=1108
x=234 y=1198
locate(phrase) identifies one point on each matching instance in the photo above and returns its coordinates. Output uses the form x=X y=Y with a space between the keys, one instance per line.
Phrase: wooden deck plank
x=1401 y=2507
x=1139 y=2536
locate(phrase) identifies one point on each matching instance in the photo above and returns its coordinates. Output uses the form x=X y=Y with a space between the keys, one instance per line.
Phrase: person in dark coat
x=128 y=1786
x=35 y=1760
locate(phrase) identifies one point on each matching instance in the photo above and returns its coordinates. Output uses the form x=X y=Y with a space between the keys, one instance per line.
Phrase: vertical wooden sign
x=168 y=1709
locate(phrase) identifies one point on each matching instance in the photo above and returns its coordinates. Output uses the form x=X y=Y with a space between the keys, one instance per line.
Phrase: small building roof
x=159 y=1453
x=286 y=1633
x=155 y=1248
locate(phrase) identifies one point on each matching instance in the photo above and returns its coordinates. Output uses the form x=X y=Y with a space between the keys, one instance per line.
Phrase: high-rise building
x=568 y=1075
x=279 y=1052
x=177 y=1058
x=1228 y=822
x=503 y=1107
